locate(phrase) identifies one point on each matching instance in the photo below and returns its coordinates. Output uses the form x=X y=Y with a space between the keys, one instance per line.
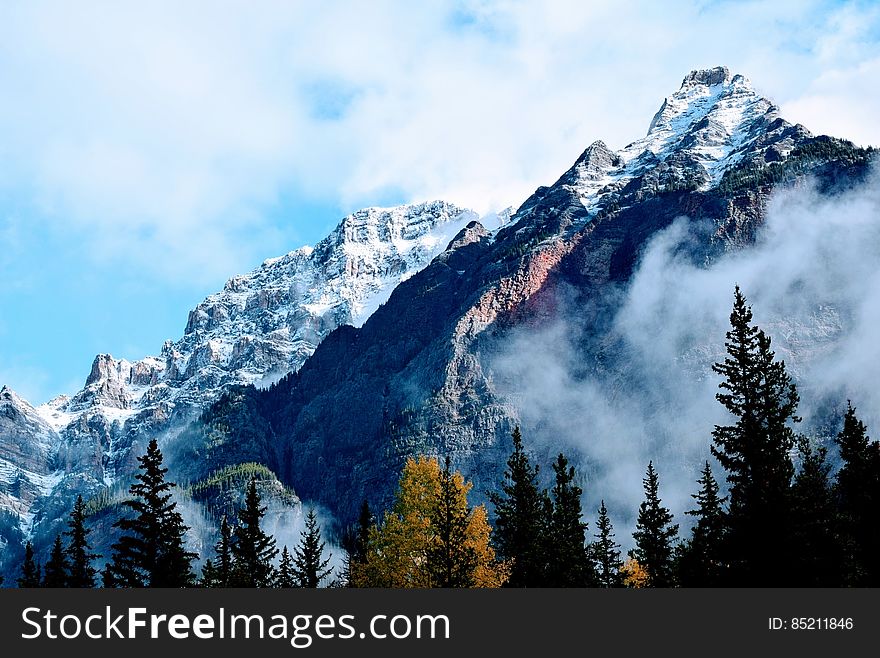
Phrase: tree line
x=773 y=524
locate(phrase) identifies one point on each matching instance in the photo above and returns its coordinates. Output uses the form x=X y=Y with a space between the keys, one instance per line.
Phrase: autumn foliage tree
x=430 y=537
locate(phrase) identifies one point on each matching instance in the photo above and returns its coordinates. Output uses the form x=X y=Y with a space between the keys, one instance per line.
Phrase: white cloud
x=166 y=132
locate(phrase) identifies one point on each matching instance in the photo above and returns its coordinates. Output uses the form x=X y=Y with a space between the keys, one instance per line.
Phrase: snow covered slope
x=261 y=326
x=705 y=128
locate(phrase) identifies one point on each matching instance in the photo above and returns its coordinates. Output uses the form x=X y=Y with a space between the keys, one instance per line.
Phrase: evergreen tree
x=701 y=560
x=759 y=394
x=310 y=567
x=253 y=550
x=451 y=560
x=819 y=554
x=567 y=558
x=355 y=542
x=858 y=497
x=107 y=579
x=56 y=573
x=286 y=577
x=151 y=551
x=209 y=575
x=82 y=573
x=520 y=512
x=605 y=552
x=221 y=571
x=655 y=535
x=30 y=570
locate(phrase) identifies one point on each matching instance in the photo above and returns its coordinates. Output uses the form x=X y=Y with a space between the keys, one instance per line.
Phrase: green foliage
x=701 y=562
x=605 y=552
x=755 y=450
x=750 y=176
x=57 y=569
x=520 y=518
x=221 y=486
x=82 y=573
x=819 y=555
x=857 y=490
x=253 y=550
x=30 y=570
x=151 y=550
x=310 y=566
x=567 y=559
x=655 y=535
x=451 y=560
x=286 y=577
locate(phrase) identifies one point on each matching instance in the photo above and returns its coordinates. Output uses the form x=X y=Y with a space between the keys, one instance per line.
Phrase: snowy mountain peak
x=260 y=326
x=707 y=77
x=707 y=126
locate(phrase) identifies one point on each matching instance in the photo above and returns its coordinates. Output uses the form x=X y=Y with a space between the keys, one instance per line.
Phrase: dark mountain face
x=416 y=378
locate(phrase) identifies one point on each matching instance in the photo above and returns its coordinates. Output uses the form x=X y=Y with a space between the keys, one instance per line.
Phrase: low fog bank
x=813 y=280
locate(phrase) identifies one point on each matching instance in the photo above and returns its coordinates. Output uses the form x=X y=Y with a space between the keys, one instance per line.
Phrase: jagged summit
x=708 y=77
x=710 y=124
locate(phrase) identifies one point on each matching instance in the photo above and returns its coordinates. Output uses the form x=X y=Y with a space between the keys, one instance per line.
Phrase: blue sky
x=150 y=151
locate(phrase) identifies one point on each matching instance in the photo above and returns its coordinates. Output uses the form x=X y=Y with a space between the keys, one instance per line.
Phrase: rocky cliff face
x=414 y=377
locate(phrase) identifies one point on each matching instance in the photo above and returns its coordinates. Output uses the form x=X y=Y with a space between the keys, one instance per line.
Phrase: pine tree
x=759 y=394
x=286 y=577
x=567 y=558
x=253 y=550
x=605 y=552
x=520 y=512
x=355 y=541
x=82 y=573
x=151 y=551
x=819 y=554
x=655 y=535
x=219 y=573
x=857 y=490
x=701 y=560
x=451 y=560
x=209 y=575
x=30 y=570
x=310 y=566
x=56 y=573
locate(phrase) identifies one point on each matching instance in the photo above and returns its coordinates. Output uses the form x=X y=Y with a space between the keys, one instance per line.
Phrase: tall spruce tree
x=218 y=572
x=82 y=573
x=759 y=394
x=253 y=551
x=567 y=559
x=56 y=573
x=286 y=577
x=451 y=559
x=857 y=490
x=701 y=560
x=819 y=554
x=356 y=541
x=655 y=535
x=209 y=575
x=520 y=512
x=310 y=566
x=605 y=552
x=151 y=551
x=30 y=569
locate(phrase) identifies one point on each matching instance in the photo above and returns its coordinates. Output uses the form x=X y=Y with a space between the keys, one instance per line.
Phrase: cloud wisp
x=812 y=280
x=167 y=137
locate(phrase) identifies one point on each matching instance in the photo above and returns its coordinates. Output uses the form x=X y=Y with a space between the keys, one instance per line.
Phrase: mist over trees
x=779 y=517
